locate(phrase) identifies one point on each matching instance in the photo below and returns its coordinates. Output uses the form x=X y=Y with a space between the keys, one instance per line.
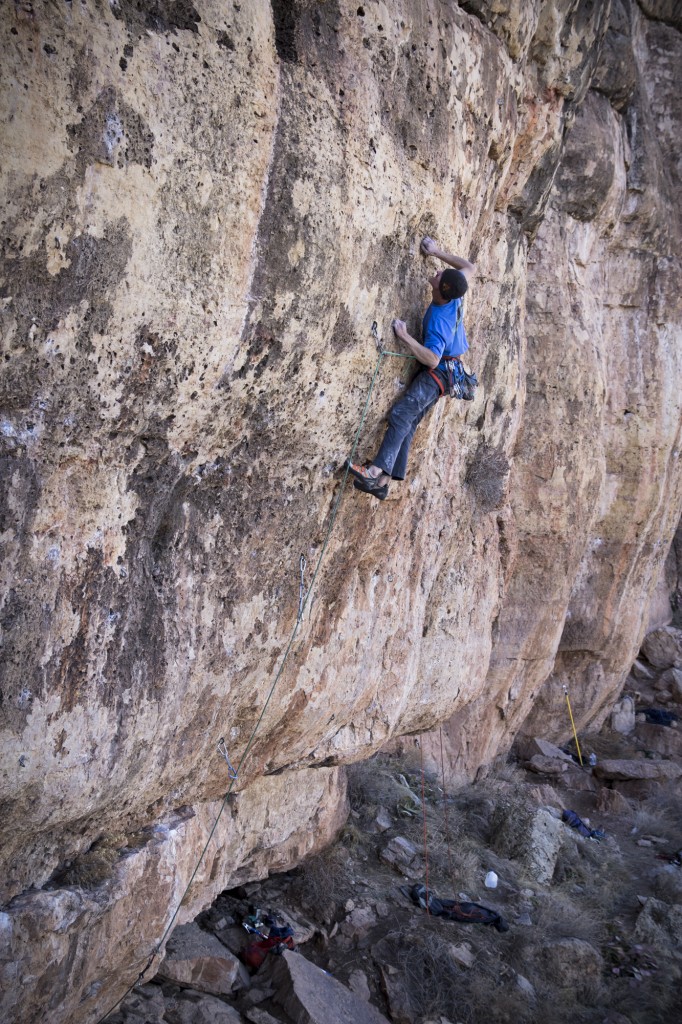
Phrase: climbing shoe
x=361 y=472
x=372 y=487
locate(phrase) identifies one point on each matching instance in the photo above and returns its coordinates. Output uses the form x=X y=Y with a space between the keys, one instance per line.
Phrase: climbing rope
x=575 y=734
x=233 y=773
x=445 y=809
x=426 y=848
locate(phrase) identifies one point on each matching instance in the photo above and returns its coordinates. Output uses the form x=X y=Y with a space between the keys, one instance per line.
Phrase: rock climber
x=444 y=338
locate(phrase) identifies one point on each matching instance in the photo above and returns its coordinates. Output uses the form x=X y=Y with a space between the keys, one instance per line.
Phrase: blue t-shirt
x=442 y=334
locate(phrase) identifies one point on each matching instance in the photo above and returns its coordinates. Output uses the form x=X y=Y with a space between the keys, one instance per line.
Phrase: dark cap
x=453 y=284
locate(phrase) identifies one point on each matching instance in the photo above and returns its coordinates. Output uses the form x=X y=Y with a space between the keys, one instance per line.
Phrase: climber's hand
x=399 y=328
x=428 y=247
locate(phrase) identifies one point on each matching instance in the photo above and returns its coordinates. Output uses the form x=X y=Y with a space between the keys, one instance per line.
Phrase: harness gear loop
x=575 y=734
x=222 y=750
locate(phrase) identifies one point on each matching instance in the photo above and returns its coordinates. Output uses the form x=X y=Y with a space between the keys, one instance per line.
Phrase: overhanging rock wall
x=205 y=207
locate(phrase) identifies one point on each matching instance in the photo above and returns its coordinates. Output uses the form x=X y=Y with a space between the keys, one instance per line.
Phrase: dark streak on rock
x=157 y=16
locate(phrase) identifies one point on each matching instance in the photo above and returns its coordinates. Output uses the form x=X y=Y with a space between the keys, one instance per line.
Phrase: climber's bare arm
x=420 y=353
x=430 y=248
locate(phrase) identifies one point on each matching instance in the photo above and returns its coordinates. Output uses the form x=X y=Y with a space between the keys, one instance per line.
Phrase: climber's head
x=448 y=285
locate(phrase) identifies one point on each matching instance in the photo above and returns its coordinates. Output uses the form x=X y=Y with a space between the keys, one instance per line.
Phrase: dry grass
x=322 y=884
x=486 y=476
x=94 y=867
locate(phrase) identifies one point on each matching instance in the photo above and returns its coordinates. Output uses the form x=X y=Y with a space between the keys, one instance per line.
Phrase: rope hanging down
x=303 y=603
x=575 y=734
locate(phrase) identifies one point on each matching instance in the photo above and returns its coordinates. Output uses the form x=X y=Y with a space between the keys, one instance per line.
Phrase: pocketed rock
x=659 y=924
x=618 y=770
x=531 y=836
x=663 y=647
x=311 y=996
x=199 y=960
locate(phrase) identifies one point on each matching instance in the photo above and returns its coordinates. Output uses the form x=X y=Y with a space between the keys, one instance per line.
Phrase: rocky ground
x=595 y=926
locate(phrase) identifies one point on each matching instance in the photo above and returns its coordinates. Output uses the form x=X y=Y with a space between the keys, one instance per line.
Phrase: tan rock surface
x=204 y=209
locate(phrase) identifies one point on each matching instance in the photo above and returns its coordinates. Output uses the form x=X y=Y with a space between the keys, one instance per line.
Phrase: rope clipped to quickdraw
x=302 y=565
x=233 y=773
x=222 y=750
x=426 y=849
x=575 y=734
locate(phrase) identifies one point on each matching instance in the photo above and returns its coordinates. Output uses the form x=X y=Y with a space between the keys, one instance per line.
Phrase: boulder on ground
x=311 y=996
x=621 y=770
x=570 y=962
x=662 y=647
x=545 y=796
x=610 y=801
x=198 y=960
x=198 y=1008
x=623 y=716
x=359 y=922
x=543 y=765
x=461 y=955
x=399 y=853
x=144 y=1004
x=381 y=822
x=530 y=835
x=659 y=924
x=397 y=995
x=529 y=747
x=357 y=983
x=672 y=680
x=641 y=672
x=661 y=739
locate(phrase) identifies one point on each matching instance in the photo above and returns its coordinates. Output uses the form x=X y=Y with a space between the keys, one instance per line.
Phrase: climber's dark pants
x=403 y=420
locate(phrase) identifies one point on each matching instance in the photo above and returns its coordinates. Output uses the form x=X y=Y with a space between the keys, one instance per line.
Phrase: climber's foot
x=373 y=487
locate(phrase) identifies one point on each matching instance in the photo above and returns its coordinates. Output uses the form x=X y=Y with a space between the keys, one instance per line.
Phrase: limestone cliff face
x=205 y=207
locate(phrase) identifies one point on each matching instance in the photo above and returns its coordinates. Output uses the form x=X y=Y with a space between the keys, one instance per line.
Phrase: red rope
x=445 y=809
x=426 y=852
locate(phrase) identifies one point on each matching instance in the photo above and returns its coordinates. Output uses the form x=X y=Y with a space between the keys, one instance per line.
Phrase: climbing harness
x=575 y=734
x=222 y=750
x=460 y=383
x=234 y=772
